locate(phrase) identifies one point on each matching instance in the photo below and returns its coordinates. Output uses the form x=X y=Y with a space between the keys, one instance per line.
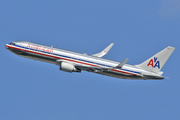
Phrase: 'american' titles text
x=40 y=48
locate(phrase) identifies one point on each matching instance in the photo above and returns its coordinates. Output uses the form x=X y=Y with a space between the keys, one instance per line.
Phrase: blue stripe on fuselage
x=72 y=58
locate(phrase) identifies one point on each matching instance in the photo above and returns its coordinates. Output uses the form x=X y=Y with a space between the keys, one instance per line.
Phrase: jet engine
x=67 y=67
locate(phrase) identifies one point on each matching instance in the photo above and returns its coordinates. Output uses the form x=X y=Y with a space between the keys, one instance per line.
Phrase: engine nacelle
x=67 y=67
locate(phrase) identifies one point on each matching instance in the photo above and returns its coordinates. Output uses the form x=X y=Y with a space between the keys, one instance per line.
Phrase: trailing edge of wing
x=105 y=51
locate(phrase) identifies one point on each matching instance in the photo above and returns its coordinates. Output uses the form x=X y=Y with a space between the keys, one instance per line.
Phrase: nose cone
x=6 y=46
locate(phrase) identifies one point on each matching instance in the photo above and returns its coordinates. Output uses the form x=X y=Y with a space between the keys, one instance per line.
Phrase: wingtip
x=169 y=47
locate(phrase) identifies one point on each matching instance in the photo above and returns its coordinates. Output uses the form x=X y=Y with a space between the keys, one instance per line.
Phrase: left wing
x=122 y=63
x=92 y=69
x=100 y=69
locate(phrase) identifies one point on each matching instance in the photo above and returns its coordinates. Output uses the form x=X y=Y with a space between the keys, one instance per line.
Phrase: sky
x=34 y=90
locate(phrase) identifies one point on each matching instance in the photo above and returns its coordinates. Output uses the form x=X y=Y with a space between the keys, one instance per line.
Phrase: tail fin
x=156 y=62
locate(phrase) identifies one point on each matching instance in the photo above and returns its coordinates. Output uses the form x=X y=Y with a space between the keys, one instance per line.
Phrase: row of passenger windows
x=72 y=58
x=68 y=57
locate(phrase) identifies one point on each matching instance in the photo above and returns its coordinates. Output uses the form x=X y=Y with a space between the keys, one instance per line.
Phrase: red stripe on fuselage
x=123 y=72
x=65 y=59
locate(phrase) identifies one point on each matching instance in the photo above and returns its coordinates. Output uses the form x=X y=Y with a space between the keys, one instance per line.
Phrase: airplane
x=76 y=62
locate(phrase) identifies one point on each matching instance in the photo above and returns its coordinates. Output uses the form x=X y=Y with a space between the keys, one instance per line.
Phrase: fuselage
x=56 y=56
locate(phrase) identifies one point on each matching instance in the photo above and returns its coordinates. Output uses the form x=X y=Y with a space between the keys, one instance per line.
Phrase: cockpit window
x=12 y=43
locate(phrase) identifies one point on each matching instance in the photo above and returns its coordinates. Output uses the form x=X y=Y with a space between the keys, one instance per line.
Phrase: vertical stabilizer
x=156 y=62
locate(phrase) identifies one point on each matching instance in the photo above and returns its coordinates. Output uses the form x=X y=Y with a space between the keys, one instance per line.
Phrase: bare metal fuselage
x=81 y=61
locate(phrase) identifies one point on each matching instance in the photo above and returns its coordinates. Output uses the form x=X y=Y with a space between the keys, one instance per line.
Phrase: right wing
x=105 y=51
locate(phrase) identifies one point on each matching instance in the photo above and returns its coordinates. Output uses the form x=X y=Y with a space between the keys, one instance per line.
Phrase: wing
x=122 y=63
x=105 y=51
x=100 y=69
x=92 y=69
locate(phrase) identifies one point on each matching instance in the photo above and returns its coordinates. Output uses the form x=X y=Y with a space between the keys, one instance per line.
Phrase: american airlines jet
x=75 y=62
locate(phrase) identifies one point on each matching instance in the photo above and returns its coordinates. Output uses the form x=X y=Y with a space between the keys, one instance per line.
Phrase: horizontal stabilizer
x=105 y=51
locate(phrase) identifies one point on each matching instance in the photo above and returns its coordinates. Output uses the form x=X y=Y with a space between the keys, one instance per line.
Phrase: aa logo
x=151 y=63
